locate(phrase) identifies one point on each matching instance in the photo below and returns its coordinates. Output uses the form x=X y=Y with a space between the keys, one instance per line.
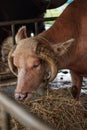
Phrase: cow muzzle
x=23 y=96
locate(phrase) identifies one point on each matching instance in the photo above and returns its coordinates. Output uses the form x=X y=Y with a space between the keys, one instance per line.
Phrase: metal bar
x=3 y=23
x=20 y=114
x=7 y=84
x=5 y=120
x=36 y=28
x=13 y=33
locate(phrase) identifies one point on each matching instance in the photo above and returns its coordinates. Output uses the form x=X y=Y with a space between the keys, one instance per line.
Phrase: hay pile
x=60 y=111
x=3 y=68
x=6 y=47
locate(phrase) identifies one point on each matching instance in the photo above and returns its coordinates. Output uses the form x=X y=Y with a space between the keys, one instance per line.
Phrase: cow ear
x=62 y=48
x=22 y=34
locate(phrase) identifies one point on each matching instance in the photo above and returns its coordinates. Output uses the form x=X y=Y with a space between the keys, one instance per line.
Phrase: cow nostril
x=20 y=96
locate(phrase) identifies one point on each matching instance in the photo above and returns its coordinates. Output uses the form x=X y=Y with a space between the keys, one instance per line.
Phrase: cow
x=37 y=59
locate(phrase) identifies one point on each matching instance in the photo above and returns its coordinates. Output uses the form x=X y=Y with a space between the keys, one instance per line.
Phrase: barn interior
x=56 y=109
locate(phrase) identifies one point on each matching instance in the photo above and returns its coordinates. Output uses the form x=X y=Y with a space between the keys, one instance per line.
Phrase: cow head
x=33 y=62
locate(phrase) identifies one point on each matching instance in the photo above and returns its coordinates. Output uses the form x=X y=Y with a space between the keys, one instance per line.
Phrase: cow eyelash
x=35 y=66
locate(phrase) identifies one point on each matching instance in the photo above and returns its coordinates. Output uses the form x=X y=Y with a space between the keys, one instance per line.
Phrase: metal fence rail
x=10 y=106
x=28 y=21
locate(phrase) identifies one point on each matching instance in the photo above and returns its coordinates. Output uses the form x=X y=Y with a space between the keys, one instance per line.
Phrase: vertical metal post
x=36 y=28
x=13 y=33
x=5 y=120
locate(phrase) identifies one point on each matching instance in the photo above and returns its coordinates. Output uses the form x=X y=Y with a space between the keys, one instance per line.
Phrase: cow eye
x=36 y=65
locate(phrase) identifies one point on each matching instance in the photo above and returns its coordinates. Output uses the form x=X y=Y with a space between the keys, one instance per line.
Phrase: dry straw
x=59 y=110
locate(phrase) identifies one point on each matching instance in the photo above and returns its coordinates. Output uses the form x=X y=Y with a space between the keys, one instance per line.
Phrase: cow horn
x=10 y=62
x=48 y=55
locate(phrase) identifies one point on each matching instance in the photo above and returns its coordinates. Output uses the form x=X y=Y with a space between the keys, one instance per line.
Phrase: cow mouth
x=23 y=96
